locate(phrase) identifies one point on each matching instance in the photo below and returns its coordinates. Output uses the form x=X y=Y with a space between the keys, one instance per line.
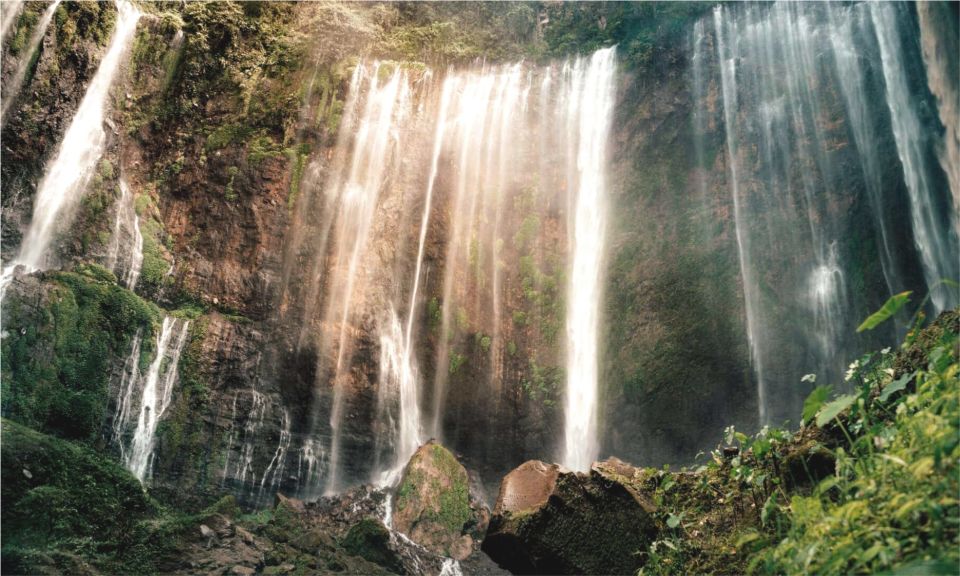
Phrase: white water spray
x=26 y=57
x=157 y=393
x=590 y=107
x=126 y=232
x=937 y=252
x=66 y=178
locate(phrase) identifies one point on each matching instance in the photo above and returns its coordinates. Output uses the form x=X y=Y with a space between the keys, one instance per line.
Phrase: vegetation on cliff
x=68 y=335
x=868 y=484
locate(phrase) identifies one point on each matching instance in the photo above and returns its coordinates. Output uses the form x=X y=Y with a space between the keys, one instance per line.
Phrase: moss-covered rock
x=549 y=520
x=65 y=333
x=370 y=540
x=433 y=503
x=62 y=502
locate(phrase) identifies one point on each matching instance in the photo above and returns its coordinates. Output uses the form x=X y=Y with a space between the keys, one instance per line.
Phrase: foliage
x=58 y=495
x=543 y=383
x=451 y=32
x=644 y=32
x=890 y=308
x=871 y=487
x=60 y=351
x=892 y=502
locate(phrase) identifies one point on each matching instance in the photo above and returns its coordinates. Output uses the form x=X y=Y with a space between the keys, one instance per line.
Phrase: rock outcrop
x=434 y=506
x=549 y=520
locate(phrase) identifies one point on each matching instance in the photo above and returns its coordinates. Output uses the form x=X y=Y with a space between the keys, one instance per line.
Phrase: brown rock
x=527 y=486
x=433 y=505
x=550 y=520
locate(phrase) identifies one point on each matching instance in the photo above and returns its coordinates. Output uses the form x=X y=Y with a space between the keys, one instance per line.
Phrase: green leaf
x=769 y=508
x=747 y=538
x=896 y=386
x=673 y=521
x=834 y=408
x=814 y=401
x=891 y=307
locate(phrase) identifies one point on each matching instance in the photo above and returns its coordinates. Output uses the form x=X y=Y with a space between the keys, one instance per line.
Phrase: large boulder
x=433 y=504
x=549 y=520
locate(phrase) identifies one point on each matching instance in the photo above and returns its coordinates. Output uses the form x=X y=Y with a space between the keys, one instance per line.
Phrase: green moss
x=61 y=350
x=457 y=360
x=60 y=496
x=370 y=540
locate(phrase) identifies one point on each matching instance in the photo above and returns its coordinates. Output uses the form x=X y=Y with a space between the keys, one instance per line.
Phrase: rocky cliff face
x=225 y=126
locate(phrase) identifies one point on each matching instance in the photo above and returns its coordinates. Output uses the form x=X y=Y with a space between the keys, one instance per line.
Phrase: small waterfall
x=450 y=567
x=26 y=58
x=311 y=466
x=375 y=144
x=487 y=153
x=9 y=13
x=129 y=378
x=126 y=232
x=76 y=160
x=590 y=99
x=729 y=94
x=934 y=236
x=274 y=470
x=252 y=425
x=157 y=393
x=230 y=439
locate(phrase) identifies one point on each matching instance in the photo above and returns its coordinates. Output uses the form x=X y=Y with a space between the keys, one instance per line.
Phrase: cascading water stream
x=67 y=175
x=728 y=87
x=592 y=97
x=797 y=82
x=397 y=346
x=129 y=378
x=375 y=143
x=159 y=382
x=9 y=13
x=126 y=232
x=934 y=236
x=26 y=58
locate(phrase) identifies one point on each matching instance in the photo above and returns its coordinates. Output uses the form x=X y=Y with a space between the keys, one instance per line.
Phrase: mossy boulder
x=370 y=540
x=58 y=496
x=433 y=505
x=549 y=520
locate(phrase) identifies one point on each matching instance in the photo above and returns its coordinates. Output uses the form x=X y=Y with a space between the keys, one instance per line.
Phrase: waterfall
x=847 y=26
x=274 y=470
x=9 y=13
x=482 y=184
x=157 y=393
x=398 y=371
x=66 y=177
x=486 y=154
x=729 y=94
x=310 y=466
x=590 y=107
x=26 y=58
x=799 y=85
x=252 y=424
x=126 y=232
x=935 y=238
x=129 y=378
x=375 y=143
